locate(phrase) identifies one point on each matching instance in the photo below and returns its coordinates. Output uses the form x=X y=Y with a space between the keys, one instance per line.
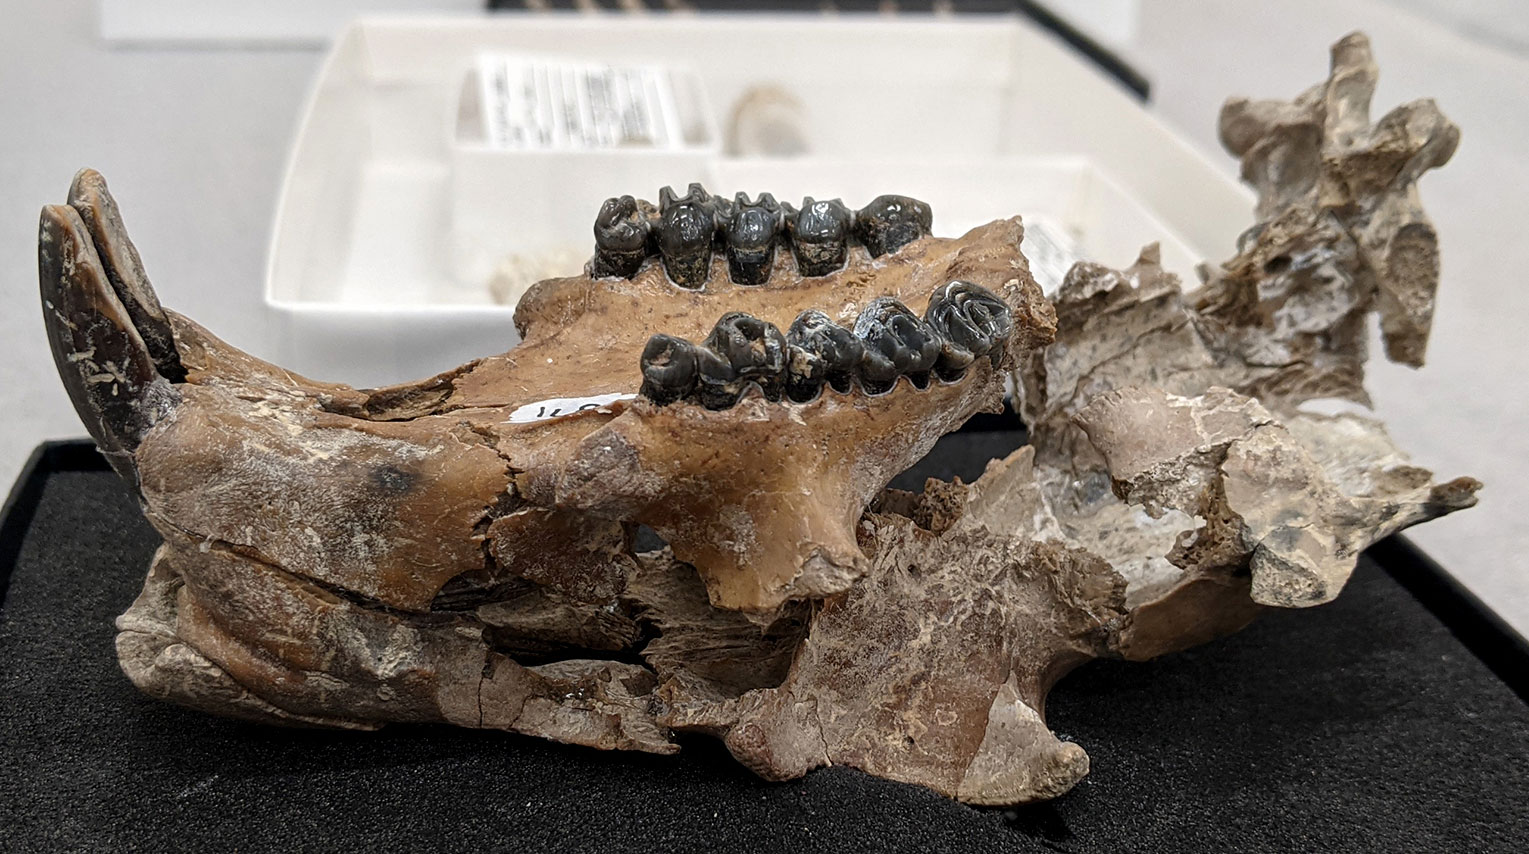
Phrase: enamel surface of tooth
x=897 y=343
x=668 y=369
x=891 y=222
x=971 y=320
x=750 y=239
x=754 y=349
x=820 y=234
x=621 y=239
x=716 y=383
x=831 y=345
x=805 y=374
x=685 y=230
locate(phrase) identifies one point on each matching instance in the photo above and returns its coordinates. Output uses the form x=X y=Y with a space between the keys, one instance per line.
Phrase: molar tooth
x=821 y=351
x=752 y=350
x=805 y=374
x=897 y=343
x=972 y=321
x=668 y=369
x=685 y=230
x=716 y=384
x=891 y=222
x=750 y=238
x=820 y=236
x=621 y=239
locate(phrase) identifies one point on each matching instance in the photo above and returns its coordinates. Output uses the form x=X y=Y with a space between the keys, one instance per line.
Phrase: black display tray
x=1375 y=723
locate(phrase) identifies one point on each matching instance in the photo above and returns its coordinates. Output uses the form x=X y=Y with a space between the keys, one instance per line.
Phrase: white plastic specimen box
x=436 y=153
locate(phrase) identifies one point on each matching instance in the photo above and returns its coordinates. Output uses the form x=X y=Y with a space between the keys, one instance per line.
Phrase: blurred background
x=190 y=108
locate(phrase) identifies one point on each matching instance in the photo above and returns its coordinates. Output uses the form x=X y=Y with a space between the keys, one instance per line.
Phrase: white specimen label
x=557 y=407
x=534 y=103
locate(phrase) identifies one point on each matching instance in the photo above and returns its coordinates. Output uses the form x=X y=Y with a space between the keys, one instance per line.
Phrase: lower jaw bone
x=351 y=557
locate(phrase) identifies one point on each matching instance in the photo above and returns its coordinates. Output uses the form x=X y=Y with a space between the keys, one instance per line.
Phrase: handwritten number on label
x=558 y=407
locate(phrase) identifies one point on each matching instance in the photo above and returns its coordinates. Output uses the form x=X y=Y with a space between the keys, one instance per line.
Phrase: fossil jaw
x=451 y=442
x=460 y=549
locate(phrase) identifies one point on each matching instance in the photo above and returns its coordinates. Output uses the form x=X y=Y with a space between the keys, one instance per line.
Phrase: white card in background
x=1050 y=251
x=533 y=103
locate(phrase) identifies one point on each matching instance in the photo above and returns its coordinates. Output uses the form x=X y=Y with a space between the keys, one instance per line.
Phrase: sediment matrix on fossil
x=745 y=377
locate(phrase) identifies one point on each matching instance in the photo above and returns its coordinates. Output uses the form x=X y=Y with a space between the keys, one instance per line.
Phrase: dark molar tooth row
x=964 y=322
x=685 y=231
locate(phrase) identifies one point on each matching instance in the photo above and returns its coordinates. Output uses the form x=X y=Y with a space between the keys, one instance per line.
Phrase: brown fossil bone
x=1175 y=484
x=745 y=377
x=350 y=557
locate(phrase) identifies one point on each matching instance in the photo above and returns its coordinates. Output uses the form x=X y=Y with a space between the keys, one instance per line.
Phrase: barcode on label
x=540 y=104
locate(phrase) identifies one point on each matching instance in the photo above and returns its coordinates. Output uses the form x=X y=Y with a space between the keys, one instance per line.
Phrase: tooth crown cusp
x=669 y=369
x=686 y=227
x=890 y=222
x=897 y=343
x=822 y=352
x=752 y=350
x=621 y=238
x=750 y=234
x=972 y=322
x=820 y=234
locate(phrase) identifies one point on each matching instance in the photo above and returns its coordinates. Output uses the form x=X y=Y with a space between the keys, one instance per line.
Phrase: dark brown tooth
x=889 y=223
x=716 y=384
x=972 y=322
x=747 y=350
x=897 y=343
x=105 y=366
x=822 y=352
x=91 y=199
x=621 y=239
x=805 y=374
x=820 y=234
x=749 y=238
x=686 y=228
x=668 y=369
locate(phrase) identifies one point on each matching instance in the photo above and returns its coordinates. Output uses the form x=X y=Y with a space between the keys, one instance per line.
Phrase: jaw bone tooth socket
x=820 y=234
x=750 y=238
x=890 y=222
x=821 y=351
x=621 y=239
x=686 y=227
x=668 y=369
x=972 y=321
x=897 y=343
x=741 y=349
